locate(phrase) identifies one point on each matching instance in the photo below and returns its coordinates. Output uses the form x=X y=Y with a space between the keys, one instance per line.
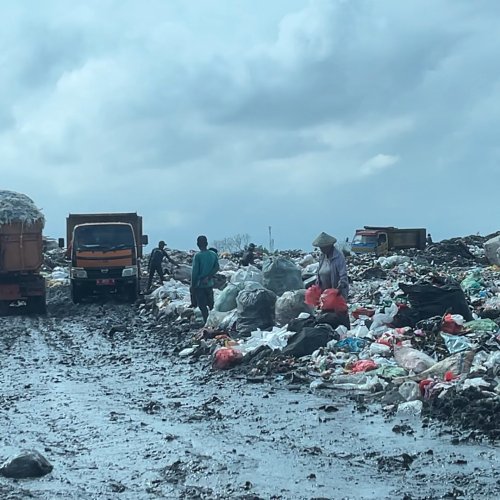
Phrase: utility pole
x=271 y=241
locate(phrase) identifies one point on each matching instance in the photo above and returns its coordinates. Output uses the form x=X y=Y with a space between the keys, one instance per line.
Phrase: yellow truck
x=380 y=240
x=105 y=251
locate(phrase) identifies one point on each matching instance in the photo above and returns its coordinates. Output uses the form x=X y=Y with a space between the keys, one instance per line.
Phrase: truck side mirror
x=144 y=239
x=60 y=242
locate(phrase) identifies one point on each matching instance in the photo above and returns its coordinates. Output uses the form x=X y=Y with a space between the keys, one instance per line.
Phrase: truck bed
x=21 y=247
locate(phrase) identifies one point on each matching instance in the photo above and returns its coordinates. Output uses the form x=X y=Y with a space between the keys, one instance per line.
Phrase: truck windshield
x=103 y=237
x=364 y=239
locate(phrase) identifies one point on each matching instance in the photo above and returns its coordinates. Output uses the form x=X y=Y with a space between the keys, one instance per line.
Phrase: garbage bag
x=290 y=305
x=431 y=300
x=482 y=325
x=250 y=273
x=227 y=357
x=332 y=300
x=412 y=359
x=334 y=319
x=452 y=323
x=364 y=365
x=472 y=283
x=215 y=319
x=229 y=322
x=226 y=301
x=296 y=325
x=455 y=343
x=410 y=390
x=255 y=310
x=281 y=275
x=312 y=295
x=351 y=344
x=385 y=318
x=308 y=340
x=390 y=371
x=492 y=250
x=182 y=272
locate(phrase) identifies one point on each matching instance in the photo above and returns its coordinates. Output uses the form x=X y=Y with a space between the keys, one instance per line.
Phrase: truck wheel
x=131 y=293
x=4 y=307
x=76 y=295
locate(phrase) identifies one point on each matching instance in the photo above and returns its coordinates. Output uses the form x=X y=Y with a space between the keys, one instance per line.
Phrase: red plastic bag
x=452 y=324
x=313 y=293
x=227 y=357
x=363 y=311
x=332 y=300
x=364 y=365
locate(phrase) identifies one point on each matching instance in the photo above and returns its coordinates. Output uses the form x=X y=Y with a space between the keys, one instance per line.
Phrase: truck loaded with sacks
x=21 y=253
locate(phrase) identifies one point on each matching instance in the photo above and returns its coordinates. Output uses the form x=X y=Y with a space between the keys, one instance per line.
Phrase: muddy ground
x=119 y=415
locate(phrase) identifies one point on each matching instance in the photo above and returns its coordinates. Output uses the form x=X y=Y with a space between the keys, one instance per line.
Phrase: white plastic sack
x=249 y=273
x=290 y=305
x=410 y=390
x=492 y=250
x=182 y=273
x=381 y=320
x=215 y=318
x=392 y=261
x=226 y=301
x=276 y=339
x=412 y=360
x=307 y=260
x=411 y=408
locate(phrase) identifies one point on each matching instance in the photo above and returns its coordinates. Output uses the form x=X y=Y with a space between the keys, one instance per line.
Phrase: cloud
x=378 y=163
x=224 y=116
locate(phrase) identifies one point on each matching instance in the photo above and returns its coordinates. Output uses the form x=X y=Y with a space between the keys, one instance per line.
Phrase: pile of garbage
x=17 y=207
x=416 y=332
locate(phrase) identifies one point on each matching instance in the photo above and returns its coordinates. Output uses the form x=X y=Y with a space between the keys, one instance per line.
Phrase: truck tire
x=4 y=307
x=131 y=293
x=76 y=295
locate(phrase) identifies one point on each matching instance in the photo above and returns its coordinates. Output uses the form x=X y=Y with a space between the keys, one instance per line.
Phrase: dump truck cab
x=366 y=241
x=104 y=251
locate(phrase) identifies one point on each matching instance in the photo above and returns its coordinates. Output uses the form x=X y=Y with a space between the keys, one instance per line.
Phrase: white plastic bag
x=412 y=360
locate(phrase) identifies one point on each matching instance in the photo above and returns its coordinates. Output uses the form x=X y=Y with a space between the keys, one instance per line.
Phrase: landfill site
x=116 y=387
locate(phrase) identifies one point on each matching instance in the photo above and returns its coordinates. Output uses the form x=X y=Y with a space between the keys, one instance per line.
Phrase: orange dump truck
x=104 y=250
x=21 y=253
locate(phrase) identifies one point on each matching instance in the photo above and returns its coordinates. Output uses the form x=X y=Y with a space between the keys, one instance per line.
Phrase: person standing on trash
x=332 y=271
x=205 y=267
x=429 y=239
x=154 y=263
x=249 y=256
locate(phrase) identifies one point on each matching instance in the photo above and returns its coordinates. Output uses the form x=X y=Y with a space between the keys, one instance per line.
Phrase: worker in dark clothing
x=429 y=239
x=249 y=256
x=205 y=267
x=155 y=260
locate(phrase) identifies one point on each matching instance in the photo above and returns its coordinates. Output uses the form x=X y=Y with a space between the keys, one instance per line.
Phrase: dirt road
x=119 y=416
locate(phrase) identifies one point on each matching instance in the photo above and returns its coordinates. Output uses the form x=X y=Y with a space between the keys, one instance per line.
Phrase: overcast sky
x=229 y=116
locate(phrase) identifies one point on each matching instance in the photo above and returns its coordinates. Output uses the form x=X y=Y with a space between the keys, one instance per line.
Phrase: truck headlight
x=78 y=272
x=129 y=271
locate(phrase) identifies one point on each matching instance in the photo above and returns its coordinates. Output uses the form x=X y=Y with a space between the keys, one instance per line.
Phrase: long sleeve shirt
x=338 y=272
x=205 y=266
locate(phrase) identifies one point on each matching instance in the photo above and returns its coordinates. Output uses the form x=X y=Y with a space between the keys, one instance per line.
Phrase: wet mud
x=100 y=391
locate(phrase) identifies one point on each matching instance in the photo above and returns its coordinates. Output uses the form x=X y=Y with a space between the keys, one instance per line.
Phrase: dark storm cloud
x=226 y=117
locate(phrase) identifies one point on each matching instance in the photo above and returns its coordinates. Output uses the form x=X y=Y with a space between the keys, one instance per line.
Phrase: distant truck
x=21 y=253
x=105 y=251
x=380 y=240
